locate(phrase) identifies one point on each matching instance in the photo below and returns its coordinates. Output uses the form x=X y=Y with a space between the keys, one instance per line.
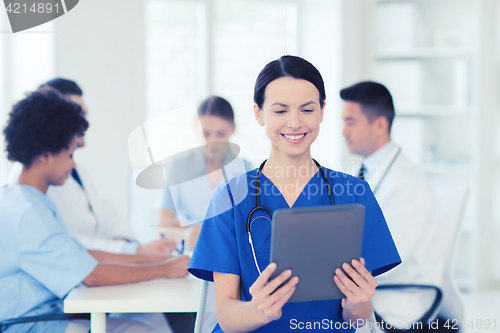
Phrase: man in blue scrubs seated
x=41 y=262
x=289 y=100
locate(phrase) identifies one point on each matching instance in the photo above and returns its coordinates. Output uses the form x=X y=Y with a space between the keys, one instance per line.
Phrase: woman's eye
x=308 y=111
x=280 y=111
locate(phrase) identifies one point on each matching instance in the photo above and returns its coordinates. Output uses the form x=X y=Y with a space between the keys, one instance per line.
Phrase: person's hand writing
x=266 y=299
x=159 y=246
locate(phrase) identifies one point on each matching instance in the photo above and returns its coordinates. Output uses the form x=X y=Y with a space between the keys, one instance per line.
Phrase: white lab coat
x=409 y=205
x=97 y=231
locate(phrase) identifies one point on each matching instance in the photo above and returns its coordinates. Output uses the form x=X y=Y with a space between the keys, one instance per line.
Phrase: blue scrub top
x=41 y=262
x=223 y=242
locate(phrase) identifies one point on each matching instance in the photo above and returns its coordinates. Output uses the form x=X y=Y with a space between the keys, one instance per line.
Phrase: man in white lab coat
x=405 y=195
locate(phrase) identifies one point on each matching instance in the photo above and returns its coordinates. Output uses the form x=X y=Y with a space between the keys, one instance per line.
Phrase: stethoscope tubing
x=258 y=206
x=387 y=170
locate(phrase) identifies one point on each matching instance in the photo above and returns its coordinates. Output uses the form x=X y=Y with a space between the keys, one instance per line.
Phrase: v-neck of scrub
x=281 y=194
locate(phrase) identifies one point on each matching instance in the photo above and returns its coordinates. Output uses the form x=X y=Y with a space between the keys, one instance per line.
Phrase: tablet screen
x=313 y=242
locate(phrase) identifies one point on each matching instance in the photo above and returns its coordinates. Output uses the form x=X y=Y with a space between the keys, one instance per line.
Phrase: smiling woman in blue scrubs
x=289 y=102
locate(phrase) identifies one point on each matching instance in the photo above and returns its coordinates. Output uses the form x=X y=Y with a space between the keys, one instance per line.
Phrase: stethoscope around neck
x=387 y=171
x=260 y=207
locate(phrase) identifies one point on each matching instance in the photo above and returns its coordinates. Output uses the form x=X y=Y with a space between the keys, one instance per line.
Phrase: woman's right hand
x=266 y=298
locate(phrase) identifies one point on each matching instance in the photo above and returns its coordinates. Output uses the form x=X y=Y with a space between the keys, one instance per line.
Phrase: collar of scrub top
x=259 y=207
x=379 y=163
x=39 y=194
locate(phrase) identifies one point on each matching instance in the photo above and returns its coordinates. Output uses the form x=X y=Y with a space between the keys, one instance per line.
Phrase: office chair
x=48 y=317
x=452 y=195
x=448 y=303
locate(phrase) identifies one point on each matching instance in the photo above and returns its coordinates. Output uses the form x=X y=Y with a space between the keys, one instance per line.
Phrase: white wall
x=320 y=42
x=27 y=59
x=354 y=51
x=100 y=44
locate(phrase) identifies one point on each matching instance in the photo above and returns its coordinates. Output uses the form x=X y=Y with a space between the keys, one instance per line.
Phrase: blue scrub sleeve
x=216 y=248
x=49 y=254
x=379 y=249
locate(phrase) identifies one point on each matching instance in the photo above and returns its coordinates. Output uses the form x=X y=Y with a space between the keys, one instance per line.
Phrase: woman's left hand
x=360 y=289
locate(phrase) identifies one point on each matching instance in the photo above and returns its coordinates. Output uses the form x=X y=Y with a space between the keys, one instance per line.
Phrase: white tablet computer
x=313 y=242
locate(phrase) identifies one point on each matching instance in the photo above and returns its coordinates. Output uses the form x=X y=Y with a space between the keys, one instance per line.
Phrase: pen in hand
x=181 y=251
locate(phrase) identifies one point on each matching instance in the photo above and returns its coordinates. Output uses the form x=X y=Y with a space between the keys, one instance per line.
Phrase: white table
x=160 y=295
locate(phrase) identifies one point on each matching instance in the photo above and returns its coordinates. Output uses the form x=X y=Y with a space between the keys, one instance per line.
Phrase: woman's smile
x=294 y=138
